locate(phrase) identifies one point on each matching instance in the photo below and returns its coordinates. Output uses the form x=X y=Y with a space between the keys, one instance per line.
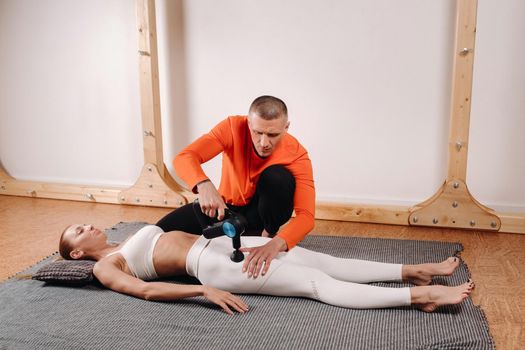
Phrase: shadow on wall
x=2 y=169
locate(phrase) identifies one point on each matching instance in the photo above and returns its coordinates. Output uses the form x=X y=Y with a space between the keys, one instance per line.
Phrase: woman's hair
x=64 y=246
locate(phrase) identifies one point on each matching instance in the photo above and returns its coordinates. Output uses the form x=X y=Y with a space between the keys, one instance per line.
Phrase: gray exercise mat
x=34 y=315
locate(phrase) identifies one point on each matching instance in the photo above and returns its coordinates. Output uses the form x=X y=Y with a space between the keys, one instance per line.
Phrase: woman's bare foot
x=421 y=275
x=429 y=298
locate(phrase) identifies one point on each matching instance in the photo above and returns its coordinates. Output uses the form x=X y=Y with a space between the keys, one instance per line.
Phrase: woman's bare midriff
x=171 y=250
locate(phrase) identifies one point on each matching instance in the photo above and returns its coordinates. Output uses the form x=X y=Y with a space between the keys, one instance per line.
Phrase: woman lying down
x=151 y=253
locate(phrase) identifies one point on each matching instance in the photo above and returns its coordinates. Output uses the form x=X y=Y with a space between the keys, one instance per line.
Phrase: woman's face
x=84 y=237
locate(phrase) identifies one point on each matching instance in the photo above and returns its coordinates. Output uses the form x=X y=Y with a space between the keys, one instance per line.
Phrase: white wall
x=69 y=92
x=367 y=84
x=496 y=166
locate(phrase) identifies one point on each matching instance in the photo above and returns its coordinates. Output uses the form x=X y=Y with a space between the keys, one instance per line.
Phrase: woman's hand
x=225 y=300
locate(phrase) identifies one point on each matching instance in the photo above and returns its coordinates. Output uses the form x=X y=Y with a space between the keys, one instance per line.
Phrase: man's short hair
x=269 y=107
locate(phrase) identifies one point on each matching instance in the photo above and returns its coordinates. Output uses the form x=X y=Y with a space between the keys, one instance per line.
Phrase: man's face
x=266 y=134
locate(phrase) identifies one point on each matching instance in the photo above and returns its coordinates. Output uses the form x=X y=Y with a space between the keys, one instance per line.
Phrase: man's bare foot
x=421 y=275
x=429 y=298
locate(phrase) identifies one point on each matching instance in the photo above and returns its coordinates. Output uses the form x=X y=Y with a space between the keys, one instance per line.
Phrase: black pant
x=270 y=207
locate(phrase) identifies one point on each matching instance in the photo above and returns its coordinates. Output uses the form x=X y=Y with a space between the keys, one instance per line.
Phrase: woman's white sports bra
x=138 y=252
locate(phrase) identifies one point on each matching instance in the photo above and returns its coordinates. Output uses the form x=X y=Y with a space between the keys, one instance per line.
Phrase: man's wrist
x=281 y=243
x=201 y=183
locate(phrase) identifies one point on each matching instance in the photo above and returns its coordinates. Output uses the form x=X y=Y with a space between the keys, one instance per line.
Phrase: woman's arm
x=114 y=278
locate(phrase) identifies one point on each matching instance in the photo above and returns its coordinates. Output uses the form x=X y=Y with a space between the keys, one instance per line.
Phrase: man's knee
x=181 y=219
x=277 y=177
x=275 y=197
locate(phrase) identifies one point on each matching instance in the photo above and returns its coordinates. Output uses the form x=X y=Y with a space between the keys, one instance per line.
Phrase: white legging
x=298 y=273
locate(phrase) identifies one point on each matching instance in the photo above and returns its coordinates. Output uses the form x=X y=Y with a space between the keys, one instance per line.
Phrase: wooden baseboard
x=369 y=213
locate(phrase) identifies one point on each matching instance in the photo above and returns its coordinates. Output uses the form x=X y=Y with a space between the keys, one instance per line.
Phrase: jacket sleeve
x=304 y=203
x=187 y=163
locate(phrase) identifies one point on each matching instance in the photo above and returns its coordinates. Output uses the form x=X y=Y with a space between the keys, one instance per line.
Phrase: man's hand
x=262 y=255
x=225 y=300
x=210 y=200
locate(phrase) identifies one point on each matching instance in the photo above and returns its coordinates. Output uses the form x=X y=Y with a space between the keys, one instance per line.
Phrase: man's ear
x=76 y=254
x=287 y=125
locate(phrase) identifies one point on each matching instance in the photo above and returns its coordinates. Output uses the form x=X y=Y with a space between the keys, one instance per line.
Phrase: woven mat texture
x=34 y=315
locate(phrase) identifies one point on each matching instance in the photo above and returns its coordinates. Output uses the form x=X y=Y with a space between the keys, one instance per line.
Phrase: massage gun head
x=232 y=226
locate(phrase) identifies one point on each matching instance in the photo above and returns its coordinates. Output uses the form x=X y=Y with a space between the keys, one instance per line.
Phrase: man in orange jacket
x=266 y=175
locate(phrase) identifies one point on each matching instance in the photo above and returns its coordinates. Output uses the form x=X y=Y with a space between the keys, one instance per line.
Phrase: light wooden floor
x=30 y=228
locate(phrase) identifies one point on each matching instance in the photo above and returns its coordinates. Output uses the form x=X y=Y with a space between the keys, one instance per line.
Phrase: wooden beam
x=149 y=84
x=155 y=185
x=463 y=67
x=380 y=214
x=453 y=205
x=86 y=193
x=399 y=215
x=151 y=190
x=512 y=222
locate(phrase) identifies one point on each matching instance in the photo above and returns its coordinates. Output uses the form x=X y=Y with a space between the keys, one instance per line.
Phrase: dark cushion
x=70 y=272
